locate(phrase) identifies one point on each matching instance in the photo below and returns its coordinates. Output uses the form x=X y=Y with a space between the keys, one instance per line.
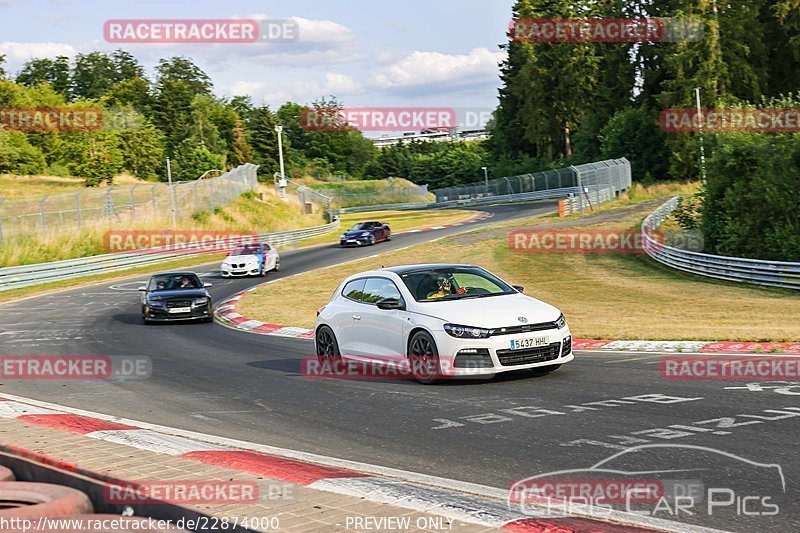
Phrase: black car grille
x=529 y=355
x=479 y=359
x=178 y=303
x=525 y=328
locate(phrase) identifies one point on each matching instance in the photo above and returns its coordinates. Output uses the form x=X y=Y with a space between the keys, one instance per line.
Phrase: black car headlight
x=155 y=303
x=200 y=301
x=467 y=332
x=561 y=323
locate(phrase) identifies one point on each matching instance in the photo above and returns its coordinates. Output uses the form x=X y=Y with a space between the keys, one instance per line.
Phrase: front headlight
x=344 y=236
x=155 y=302
x=467 y=332
x=561 y=323
x=200 y=301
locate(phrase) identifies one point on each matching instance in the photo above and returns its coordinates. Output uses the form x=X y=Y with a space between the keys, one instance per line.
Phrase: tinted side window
x=354 y=290
x=377 y=289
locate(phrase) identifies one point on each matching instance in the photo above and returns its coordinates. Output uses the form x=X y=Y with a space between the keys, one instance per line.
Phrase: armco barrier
x=29 y=275
x=770 y=273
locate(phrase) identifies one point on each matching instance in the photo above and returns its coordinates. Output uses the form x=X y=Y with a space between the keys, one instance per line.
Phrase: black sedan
x=366 y=234
x=175 y=296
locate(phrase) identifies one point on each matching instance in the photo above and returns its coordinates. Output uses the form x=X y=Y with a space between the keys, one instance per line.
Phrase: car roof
x=404 y=269
x=182 y=273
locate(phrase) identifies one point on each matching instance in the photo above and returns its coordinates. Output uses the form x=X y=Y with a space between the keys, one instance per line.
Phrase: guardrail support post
x=42 y=214
x=78 y=208
x=1 y=218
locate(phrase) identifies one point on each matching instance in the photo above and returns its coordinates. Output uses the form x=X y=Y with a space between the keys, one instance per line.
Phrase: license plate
x=534 y=342
x=181 y=310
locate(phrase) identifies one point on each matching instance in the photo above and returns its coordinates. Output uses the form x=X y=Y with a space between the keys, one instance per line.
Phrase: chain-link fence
x=121 y=205
x=598 y=182
x=350 y=197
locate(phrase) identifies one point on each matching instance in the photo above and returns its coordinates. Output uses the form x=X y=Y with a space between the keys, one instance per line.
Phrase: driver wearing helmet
x=445 y=288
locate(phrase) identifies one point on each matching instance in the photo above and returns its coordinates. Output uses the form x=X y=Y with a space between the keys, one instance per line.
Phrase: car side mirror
x=142 y=289
x=207 y=285
x=519 y=288
x=388 y=304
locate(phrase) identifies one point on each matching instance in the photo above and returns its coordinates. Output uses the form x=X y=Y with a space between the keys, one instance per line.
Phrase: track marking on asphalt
x=448 y=497
x=635 y=359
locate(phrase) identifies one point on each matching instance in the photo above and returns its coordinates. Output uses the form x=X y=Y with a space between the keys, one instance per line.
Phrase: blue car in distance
x=366 y=234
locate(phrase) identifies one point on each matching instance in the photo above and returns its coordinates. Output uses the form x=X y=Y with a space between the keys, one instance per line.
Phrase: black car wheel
x=326 y=345
x=388 y=235
x=277 y=265
x=424 y=358
x=208 y=319
x=371 y=240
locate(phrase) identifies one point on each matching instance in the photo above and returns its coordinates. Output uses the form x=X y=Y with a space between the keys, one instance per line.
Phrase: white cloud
x=435 y=71
x=277 y=93
x=19 y=53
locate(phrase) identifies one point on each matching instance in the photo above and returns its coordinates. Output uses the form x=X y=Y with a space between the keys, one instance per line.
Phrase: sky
x=441 y=53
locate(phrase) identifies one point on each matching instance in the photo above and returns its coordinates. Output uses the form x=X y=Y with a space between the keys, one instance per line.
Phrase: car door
x=380 y=332
x=345 y=308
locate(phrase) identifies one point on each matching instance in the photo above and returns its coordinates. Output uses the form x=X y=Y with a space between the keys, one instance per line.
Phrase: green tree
x=635 y=133
x=241 y=151
x=93 y=76
x=264 y=140
x=142 y=148
x=184 y=70
x=54 y=72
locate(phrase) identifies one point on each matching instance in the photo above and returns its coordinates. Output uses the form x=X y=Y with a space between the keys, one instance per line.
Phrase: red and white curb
x=727 y=347
x=452 y=499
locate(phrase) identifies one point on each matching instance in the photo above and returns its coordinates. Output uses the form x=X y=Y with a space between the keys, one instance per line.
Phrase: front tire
x=424 y=358
x=326 y=346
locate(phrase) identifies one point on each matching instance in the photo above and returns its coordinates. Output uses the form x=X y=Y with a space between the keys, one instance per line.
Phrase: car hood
x=491 y=311
x=356 y=233
x=185 y=293
x=241 y=258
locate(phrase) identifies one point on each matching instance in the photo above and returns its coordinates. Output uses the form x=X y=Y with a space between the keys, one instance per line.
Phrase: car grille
x=530 y=355
x=525 y=328
x=178 y=303
x=238 y=265
x=480 y=359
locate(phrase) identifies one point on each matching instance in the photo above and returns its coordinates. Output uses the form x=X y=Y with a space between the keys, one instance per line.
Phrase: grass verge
x=604 y=296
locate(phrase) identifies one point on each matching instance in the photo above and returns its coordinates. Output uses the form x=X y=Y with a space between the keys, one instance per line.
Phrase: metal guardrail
x=769 y=273
x=29 y=275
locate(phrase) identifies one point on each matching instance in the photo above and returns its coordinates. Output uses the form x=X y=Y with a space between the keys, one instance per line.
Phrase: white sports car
x=251 y=260
x=441 y=321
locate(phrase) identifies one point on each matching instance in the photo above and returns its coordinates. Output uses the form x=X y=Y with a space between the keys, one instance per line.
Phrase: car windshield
x=453 y=283
x=247 y=249
x=174 y=282
x=363 y=226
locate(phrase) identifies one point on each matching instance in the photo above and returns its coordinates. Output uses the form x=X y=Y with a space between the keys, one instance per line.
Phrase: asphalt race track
x=212 y=379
